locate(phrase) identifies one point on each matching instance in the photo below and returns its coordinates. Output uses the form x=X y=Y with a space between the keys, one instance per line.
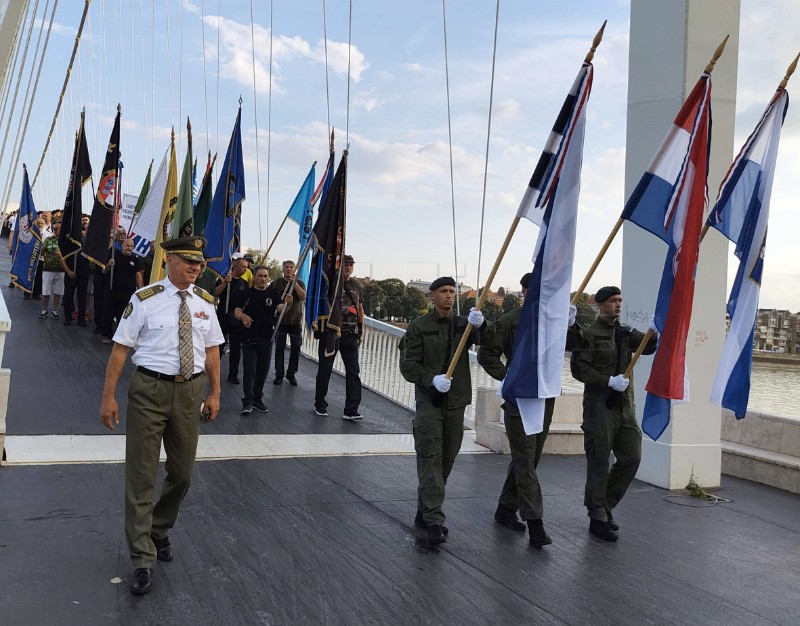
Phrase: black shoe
x=164 y=550
x=538 y=535
x=614 y=526
x=246 y=410
x=321 y=412
x=508 y=518
x=260 y=407
x=278 y=380
x=420 y=523
x=436 y=535
x=292 y=380
x=142 y=581
x=602 y=530
x=233 y=380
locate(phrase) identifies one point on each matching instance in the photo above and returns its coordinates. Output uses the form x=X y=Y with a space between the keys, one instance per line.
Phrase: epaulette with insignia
x=199 y=291
x=128 y=310
x=147 y=292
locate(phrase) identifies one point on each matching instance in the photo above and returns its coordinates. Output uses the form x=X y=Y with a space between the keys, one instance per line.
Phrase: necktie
x=185 y=348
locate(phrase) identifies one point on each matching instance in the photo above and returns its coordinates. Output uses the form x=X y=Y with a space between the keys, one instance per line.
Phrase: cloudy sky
x=164 y=60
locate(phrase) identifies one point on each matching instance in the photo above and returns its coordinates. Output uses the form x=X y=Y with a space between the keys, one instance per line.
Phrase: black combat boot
x=435 y=535
x=602 y=530
x=538 y=535
x=614 y=526
x=508 y=518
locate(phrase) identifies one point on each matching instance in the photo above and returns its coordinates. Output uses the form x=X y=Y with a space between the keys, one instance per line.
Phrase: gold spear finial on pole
x=172 y=137
x=789 y=71
x=596 y=42
x=717 y=54
x=331 y=144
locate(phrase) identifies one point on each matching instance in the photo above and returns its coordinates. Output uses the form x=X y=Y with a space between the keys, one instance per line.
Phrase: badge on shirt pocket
x=201 y=315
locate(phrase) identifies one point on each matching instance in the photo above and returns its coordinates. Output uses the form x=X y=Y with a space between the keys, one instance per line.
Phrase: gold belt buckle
x=180 y=378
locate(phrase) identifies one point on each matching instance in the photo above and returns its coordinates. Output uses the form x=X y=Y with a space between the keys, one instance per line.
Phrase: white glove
x=475 y=317
x=652 y=325
x=442 y=383
x=573 y=313
x=618 y=383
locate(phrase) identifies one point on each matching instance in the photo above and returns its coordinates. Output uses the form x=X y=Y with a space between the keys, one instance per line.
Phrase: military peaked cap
x=189 y=248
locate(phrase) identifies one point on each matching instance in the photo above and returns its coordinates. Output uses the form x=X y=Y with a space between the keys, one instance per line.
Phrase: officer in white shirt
x=165 y=397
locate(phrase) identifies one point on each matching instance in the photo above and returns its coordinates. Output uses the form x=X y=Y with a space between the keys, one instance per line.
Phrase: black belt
x=170 y=378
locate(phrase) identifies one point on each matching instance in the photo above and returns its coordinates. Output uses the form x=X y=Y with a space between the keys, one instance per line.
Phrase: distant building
x=776 y=331
x=425 y=286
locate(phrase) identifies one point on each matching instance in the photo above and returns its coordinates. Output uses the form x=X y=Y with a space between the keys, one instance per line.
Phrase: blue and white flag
x=551 y=201
x=741 y=214
x=27 y=240
x=302 y=213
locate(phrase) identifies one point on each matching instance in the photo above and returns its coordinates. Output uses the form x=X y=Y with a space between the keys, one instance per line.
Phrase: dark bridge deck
x=331 y=540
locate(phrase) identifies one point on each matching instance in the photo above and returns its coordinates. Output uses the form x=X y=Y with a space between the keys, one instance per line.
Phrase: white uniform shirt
x=150 y=327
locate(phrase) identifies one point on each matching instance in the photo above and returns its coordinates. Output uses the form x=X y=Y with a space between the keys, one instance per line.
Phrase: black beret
x=526 y=278
x=190 y=248
x=444 y=281
x=604 y=293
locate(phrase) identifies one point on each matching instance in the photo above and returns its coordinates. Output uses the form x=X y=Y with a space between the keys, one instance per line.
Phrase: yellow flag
x=167 y=215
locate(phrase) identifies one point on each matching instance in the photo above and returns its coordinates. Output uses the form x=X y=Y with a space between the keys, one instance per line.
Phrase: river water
x=773 y=389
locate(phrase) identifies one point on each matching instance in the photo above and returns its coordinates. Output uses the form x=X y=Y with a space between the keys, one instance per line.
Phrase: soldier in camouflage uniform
x=521 y=489
x=425 y=353
x=609 y=420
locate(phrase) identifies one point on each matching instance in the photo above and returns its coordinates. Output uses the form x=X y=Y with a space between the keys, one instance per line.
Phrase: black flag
x=98 y=236
x=70 y=240
x=329 y=235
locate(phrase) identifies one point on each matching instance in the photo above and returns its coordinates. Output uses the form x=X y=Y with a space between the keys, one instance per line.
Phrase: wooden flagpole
x=485 y=291
x=618 y=224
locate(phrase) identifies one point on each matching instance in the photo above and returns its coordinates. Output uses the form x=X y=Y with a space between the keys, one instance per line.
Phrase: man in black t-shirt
x=255 y=309
x=121 y=277
x=228 y=291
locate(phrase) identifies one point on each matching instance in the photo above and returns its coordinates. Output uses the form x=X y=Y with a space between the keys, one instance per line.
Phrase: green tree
x=511 y=303
x=260 y=258
x=373 y=298
x=586 y=313
x=414 y=303
x=395 y=291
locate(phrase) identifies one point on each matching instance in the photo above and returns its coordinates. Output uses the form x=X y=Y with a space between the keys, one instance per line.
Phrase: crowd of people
x=253 y=312
x=181 y=325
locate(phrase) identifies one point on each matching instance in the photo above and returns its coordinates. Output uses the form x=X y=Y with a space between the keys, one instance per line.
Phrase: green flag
x=143 y=193
x=182 y=224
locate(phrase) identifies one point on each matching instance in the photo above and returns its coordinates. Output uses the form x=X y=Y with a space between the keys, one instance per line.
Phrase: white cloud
x=238 y=62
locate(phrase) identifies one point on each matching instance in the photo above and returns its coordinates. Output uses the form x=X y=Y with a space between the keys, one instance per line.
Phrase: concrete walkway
x=311 y=522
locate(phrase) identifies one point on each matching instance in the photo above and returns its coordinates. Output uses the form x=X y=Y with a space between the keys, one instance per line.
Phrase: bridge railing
x=379 y=358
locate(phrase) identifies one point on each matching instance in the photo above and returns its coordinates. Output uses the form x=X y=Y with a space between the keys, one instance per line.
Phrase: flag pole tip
x=789 y=71
x=596 y=42
x=717 y=54
x=119 y=108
